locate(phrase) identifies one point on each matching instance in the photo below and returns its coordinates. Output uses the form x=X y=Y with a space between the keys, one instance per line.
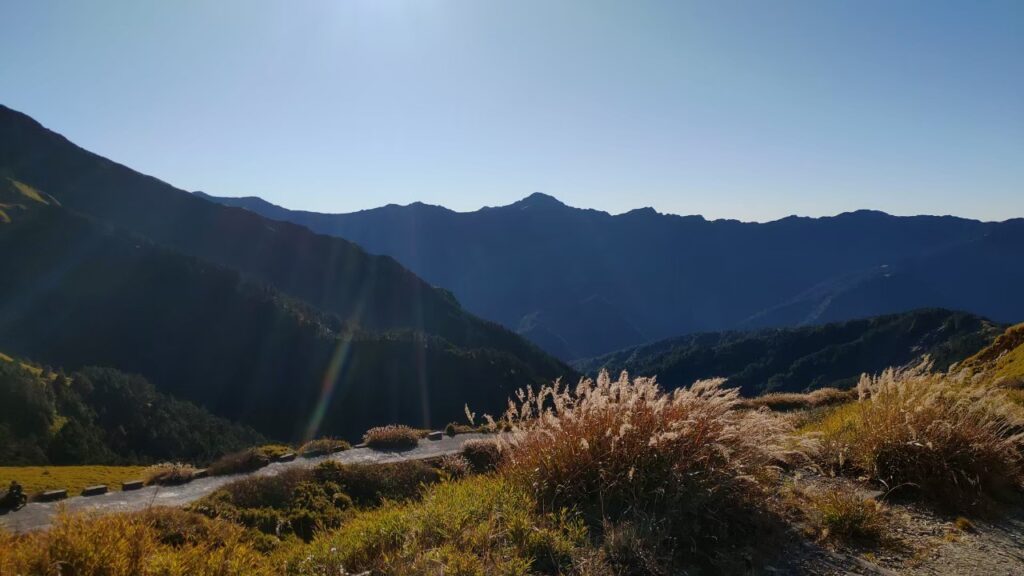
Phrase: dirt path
x=39 y=515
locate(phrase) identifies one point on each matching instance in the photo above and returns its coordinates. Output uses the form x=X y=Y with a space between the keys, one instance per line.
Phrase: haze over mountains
x=582 y=283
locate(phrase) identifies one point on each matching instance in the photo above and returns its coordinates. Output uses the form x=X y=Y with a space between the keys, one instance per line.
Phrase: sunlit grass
x=950 y=438
x=29 y=192
x=481 y=525
x=39 y=478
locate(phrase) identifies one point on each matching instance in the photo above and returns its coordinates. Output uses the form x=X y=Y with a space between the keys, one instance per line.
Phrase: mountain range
x=262 y=322
x=582 y=283
x=806 y=358
x=289 y=330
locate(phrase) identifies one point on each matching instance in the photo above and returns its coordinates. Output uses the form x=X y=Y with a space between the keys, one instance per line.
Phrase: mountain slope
x=539 y=267
x=330 y=273
x=80 y=292
x=800 y=359
x=102 y=416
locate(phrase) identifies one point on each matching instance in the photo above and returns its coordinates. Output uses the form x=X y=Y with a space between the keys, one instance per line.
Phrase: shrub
x=267 y=491
x=454 y=428
x=392 y=437
x=322 y=446
x=483 y=455
x=370 y=484
x=248 y=460
x=843 y=514
x=455 y=466
x=168 y=474
x=481 y=525
x=619 y=450
x=947 y=437
x=292 y=502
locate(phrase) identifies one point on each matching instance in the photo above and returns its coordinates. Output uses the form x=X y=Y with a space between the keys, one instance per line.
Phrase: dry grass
x=248 y=460
x=34 y=479
x=144 y=544
x=482 y=454
x=787 y=401
x=951 y=438
x=169 y=473
x=480 y=525
x=322 y=446
x=392 y=437
x=621 y=450
x=455 y=466
x=841 y=514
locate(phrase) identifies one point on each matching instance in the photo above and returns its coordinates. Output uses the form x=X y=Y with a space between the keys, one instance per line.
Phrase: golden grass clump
x=844 y=515
x=616 y=449
x=949 y=437
x=156 y=542
x=479 y=525
x=786 y=401
x=392 y=437
x=169 y=473
x=322 y=446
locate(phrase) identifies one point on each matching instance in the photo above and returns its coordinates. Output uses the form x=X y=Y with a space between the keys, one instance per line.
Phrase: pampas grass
x=950 y=437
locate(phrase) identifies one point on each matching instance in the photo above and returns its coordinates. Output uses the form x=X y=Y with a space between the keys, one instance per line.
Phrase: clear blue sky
x=751 y=110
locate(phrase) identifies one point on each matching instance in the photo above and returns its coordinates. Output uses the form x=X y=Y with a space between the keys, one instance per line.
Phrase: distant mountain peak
x=539 y=200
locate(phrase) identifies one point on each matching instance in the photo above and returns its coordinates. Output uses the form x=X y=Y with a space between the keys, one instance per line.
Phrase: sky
x=750 y=110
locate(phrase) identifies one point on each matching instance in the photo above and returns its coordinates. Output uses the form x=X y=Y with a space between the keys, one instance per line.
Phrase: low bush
x=483 y=455
x=392 y=437
x=292 y=502
x=370 y=484
x=322 y=446
x=455 y=466
x=950 y=438
x=168 y=474
x=618 y=450
x=843 y=515
x=248 y=460
x=481 y=525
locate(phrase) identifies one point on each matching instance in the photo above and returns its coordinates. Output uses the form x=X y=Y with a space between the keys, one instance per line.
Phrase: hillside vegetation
x=102 y=416
x=331 y=274
x=803 y=359
x=82 y=293
x=614 y=477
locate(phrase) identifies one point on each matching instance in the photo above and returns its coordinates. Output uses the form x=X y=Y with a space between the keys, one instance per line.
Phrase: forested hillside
x=83 y=293
x=802 y=359
x=103 y=416
x=329 y=273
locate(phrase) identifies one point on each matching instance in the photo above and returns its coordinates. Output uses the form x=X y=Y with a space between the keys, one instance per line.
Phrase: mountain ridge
x=538 y=271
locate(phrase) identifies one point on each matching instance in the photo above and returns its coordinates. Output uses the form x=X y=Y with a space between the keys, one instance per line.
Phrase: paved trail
x=39 y=515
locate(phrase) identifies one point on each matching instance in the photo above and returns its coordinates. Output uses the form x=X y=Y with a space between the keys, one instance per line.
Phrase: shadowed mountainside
x=581 y=283
x=83 y=293
x=329 y=273
x=801 y=359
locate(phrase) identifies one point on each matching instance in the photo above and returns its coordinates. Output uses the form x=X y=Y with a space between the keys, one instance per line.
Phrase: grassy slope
x=38 y=478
